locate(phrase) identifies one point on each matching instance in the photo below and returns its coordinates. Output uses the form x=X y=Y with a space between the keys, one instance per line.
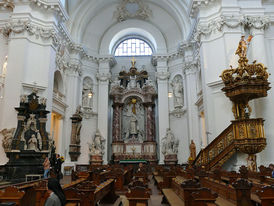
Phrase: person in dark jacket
x=57 y=196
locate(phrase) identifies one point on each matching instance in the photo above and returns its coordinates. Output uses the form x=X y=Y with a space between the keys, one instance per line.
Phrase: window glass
x=133 y=47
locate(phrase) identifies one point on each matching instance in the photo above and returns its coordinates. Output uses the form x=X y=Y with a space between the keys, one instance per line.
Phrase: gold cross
x=133 y=61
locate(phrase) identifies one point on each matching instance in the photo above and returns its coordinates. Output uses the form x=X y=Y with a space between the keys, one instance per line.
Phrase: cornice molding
x=215 y=25
x=52 y=5
x=196 y=4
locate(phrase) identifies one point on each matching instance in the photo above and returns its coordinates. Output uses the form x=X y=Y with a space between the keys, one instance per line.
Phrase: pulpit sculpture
x=170 y=147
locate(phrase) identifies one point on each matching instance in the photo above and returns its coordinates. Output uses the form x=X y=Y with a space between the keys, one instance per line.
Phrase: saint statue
x=98 y=145
x=87 y=93
x=243 y=46
x=169 y=143
x=7 y=138
x=32 y=143
x=4 y=68
x=132 y=82
x=178 y=92
x=133 y=124
x=192 y=149
x=251 y=163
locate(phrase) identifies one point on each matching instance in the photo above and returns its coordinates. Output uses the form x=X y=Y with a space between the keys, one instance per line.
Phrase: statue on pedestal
x=97 y=147
x=169 y=143
x=170 y=148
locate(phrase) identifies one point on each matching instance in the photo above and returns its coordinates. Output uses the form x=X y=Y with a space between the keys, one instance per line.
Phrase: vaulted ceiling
x=94 y=24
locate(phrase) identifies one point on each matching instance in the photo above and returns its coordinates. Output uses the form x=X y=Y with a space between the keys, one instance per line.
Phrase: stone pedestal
x=74 y=152
x=171 y=159
x=24 y=162
x=74 y=147
x=96 y=160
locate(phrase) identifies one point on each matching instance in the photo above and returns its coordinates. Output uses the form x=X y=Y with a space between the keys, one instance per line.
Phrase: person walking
x=57 y=196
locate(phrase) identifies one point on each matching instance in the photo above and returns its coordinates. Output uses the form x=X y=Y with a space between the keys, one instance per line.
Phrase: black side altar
x=30 y=143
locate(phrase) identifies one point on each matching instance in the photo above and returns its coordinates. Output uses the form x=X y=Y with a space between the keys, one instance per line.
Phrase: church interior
x=136 y=102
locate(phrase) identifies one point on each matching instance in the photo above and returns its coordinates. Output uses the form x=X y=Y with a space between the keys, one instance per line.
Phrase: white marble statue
x=7 y=138
x=133 y=124
x=97 y=147
x=32 y=143
x=4 y=68
x=115 y=83
x=178 y=92
x=31 y=123
x=87 y=93
x=169 y=143
x=132 y=82
x=39 y=138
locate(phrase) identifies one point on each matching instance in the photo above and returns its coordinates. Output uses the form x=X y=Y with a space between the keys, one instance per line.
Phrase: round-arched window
x=133 y=47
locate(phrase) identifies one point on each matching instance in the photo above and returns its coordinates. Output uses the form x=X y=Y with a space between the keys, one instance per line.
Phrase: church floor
x=155 y=197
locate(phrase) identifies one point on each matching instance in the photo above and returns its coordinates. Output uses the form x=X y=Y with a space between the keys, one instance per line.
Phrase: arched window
x=133 y=47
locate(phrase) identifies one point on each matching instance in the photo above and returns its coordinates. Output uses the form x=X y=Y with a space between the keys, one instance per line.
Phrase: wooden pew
x=266 y=195
x=12 y=194
x=138 y=194
x=203 y=197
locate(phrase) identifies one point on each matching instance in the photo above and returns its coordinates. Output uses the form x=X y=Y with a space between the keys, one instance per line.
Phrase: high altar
x=133 y=126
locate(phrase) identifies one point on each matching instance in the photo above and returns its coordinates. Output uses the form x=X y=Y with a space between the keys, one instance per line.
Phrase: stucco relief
x=132 y=9
x=257 y=22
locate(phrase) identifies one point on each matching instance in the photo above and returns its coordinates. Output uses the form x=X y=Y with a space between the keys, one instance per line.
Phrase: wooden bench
x=12 y=194
x=172 y=198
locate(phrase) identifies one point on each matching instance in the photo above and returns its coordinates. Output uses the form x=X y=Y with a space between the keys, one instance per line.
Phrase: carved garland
x=257 y=22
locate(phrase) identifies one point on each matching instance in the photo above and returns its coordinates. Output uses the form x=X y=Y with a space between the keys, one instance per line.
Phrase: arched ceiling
x=92 y=20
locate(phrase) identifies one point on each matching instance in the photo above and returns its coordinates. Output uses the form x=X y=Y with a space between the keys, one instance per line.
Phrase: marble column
x=263 y=106
x=191 y=93
x=103 y=77
x=150 y=122
x=73 y=87
x=116 y=125
x=162 y=80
